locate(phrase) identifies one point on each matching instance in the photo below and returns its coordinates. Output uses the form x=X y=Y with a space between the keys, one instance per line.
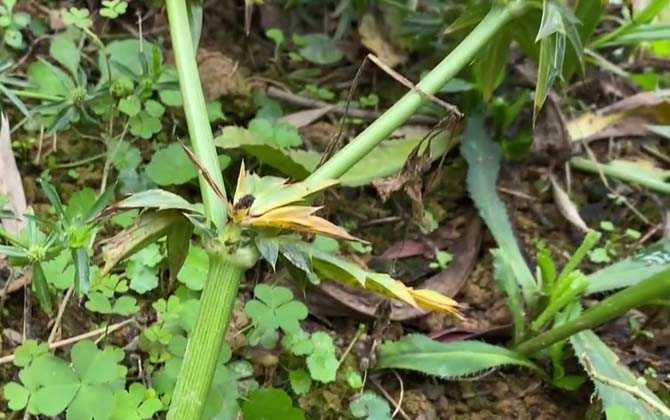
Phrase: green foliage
x=77 y=17
x=615 y=383
x=447 y=360
x=370 y=406
x=171 y=166
x=85 y=390
x=12 y=23
x=318 y=49
x=322 y=363
x=558 y=25
x=270 y=403
x=194 y=271
x=483 y=157
x=273 y=308
x=632 y=270
x=142 y=268
x=112 y=9
x=300 y=380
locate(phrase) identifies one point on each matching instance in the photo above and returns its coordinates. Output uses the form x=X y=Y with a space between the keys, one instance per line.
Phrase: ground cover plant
x=347 y=209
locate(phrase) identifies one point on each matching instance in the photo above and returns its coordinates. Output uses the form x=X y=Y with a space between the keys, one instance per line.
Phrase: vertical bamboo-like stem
x=204 y=344
x=195 y=109
x=400 y=112
x=656 y=287
x=218 y=296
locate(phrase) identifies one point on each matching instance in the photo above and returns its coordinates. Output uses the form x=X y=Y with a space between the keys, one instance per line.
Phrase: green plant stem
x=402 y=110
x=204 y=345
x=624 y=174
x=195 y=110
x=643 y=293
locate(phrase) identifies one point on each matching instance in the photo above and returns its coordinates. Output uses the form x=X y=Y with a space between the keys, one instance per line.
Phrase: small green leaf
x=59 y=271
x=322 y=363
x=113 y=8
x=270 y=403
x=16 y=395
x=354 y=380
x=145 y=125
x=77 y=17
x=318 y=48
x=142 y=269
x=171 y=166
x=276 y=35
x=65 y=52
x=193 y=273
x=98 y=302
x=300 y=381
x=274 y=308
x=130 y=105
x=125 y=305
x=370 y=406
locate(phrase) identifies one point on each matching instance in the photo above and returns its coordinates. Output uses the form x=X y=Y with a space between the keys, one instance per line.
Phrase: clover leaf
x=275 y=308
x=142 y=269
x=113 y=8
x=59 y=271
x=77 y=17
x=85 y=388
x=137 y=403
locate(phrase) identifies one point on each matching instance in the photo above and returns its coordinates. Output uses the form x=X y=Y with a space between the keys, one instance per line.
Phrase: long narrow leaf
x=447 y=360
x=633 y=270
x=483 y=157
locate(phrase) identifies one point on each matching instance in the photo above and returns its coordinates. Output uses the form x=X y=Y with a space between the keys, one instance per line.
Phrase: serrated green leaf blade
x=447 y=360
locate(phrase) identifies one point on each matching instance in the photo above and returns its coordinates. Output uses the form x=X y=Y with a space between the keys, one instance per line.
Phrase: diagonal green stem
x=195 y=109
x=643 y=293
x=402 y=110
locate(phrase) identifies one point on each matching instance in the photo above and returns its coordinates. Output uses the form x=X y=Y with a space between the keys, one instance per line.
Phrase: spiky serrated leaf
x=483 y=157
x=447 y=360
x=633 y=270
x=156 y=199
x=615 y=383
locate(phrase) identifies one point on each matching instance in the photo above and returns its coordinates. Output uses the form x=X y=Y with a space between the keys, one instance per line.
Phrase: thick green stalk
x=656 y=287
x=402 y=110
x=204 y=345
x=195 y=109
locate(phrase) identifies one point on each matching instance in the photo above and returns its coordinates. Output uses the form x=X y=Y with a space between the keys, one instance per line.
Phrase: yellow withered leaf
x=338 y=269
x=431 y=300
x=299 y=219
